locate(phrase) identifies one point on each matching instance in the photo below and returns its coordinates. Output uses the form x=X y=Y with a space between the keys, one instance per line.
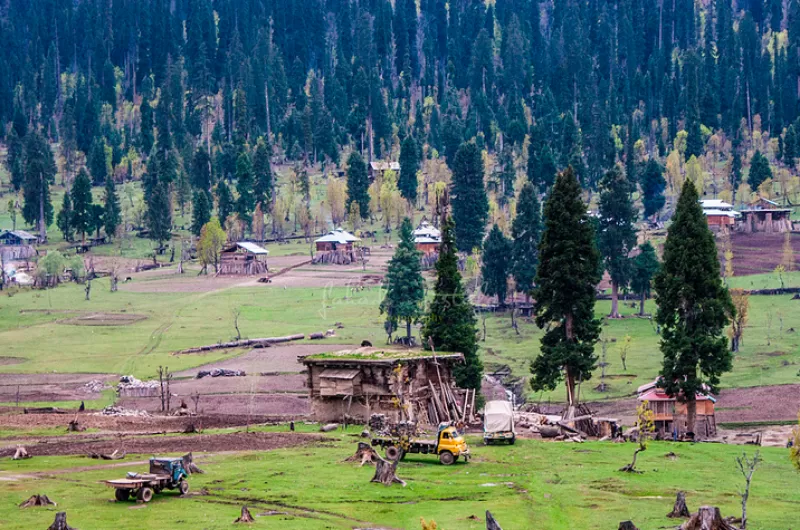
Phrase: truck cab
x=450 y=445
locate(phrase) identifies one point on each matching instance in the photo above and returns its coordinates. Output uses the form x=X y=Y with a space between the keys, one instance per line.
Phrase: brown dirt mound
x=174 y=444
x=104 y=319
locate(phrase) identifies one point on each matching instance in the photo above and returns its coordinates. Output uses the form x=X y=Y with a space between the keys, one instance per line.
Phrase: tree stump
x=364 y=454
x=75 y=426
x=680 y=509
x=21 y=454
x=37 y=500
x=627 y=525
x=245 y=517
x=190 y=466
x=491 y=524
x=385 y=472
x=707 y=518
x=60 y=522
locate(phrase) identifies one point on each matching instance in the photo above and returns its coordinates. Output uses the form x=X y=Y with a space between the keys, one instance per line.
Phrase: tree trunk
x=491 y=524
x=707 y=518
x=631 y=468
x=385 y=472
x=614 y=300
x=691 y=414
x=42 y=225
x=680 y=509
x=569 y=382
x=627 y=525
x=641 y=304
x=60 y=522
x=245 y=517
x=408 y=332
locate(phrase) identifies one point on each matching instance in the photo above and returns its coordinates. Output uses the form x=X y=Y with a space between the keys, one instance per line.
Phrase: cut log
x=680 y=509
x=316 y=336
x=256 y=343
x=365 y=454
x=385 y=472
x=329 y=427
x=548 y=431
x=245 y=517
x=627 y=525
x=190 y=466
x=707 y=518
x=116 y=455
x=60 y=522
x=491 y=524
x=21 y=454
x=37 y=500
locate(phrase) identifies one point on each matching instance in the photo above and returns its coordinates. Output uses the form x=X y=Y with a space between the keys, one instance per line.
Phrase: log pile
x=254 y=343
x=37 y=500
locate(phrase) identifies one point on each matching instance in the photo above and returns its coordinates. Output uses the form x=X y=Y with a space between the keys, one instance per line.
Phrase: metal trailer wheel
x=183 y=487
x=446 y=458
x=121 y=495
x=145 y=494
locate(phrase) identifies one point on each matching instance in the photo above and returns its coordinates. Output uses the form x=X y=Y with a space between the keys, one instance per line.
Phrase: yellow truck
x=449 y=445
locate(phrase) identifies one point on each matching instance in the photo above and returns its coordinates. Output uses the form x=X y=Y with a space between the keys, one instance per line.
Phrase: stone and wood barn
x=243 y=258
x=766 y=216
x=412 y=385
x=669 y=413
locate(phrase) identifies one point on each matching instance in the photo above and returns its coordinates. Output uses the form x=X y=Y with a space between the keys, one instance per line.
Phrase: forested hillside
x=185 y=94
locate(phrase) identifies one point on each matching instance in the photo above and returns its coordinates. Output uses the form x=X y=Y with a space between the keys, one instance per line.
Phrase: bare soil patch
x=5 y=361
x=49 y=387
x=186 y=283
x=265 y=405
x=104 y=319
x=173 y=444
x=757 y=253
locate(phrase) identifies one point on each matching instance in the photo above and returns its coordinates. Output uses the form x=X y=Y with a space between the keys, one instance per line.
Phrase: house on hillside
x=336 y=239
x=401 y=384
x=764 y=215
x=243 y=258
x=380 y=167
x=17 y=238
x=427 y=238
x=669 y=413
x=17 y=245
x=719 y=213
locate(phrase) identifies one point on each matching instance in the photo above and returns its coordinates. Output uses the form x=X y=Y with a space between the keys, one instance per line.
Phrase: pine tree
x=262 y=168
x=405 y=287
x=616 y=235
x=496 y=266
x=645 y=266
x=97 y=221
x=225 y=203
x=40 y=172
x=97 y=161
x=470 y=204
x=759 y=171
x=201 y=211
x=64 y=218
x=450 y=323
x=694 y=307
x=409 y=166
x=565 y=291
x=81 y=203
x=112 y=215
x=201 y=170
x=246 y=202
x=357 y=184
x=653 y=185
x=146 y=136
x=159 y=214
x=526 y=231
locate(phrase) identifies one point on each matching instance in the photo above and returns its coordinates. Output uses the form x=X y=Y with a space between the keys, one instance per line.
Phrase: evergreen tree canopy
x=40 y=173
x=450 y=323
x=262 y=168
x=246 y=202
x=468 y=196
x=201 y=211
x=645 y=267
x=409 y=166
x=159 y=214
x=526 y=231
x=653 y=186
x=405 y=287
x=694 y=307
x=565 y=290
x=225 y=203
x=81 y=203
x=112 y=215
x=357 y=184
x=759 y=171
x=64 y=218
x=496 y=266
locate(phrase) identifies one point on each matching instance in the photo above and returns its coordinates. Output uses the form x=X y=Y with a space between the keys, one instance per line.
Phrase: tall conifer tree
x=357 y=184
x=526 y=231
x=405 y=287
x=496 y=266
x=470 y=205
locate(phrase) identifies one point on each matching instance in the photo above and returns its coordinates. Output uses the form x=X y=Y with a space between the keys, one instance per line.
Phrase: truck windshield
x=454 y=433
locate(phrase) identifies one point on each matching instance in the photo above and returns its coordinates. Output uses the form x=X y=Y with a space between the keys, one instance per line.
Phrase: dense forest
x=197 y=98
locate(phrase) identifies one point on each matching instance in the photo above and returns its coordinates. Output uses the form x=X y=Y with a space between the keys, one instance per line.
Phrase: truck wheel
x=145 y=494
x=446 y=458
x=121 y=494
x=394 y=453
x=512 y=440
x=183 y=487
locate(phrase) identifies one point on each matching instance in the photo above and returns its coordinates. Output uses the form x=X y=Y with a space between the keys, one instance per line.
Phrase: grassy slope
x=530 y=485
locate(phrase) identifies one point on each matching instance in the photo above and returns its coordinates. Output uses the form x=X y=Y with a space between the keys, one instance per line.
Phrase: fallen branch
x=256 y=343
x=245 y=517
x=21 y=454
x=37 y=500
x=116 y=455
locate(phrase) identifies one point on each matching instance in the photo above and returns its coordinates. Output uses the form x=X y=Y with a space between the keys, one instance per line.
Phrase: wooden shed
x=17 y=238
x=336 y=239
x=243 y=258
x=380 y=167
x=360 y=382
x=766 y=216
x=670 y=412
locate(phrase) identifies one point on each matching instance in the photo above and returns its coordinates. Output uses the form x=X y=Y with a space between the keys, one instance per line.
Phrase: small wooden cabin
x=766 y=216
x=336 y=239
x=243 y=259
x=380 y=167
x=363 y=381
x=669 y=412
x=17 y=238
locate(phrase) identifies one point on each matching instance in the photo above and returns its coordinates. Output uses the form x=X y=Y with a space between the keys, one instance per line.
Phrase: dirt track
x=239 y=441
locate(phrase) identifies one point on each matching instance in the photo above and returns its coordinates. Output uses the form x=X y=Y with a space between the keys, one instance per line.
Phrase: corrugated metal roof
x=656 y=394
x=252 y=247
x=724 y=213
x=338 y=236
x=22 y=234
x=339 y=373
x=424 y=239
x=715 y=203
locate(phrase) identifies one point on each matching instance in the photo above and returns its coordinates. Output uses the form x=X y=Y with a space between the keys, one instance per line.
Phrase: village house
x=719 y=213
x=427 y=238
x=380 y=167
x=243 y=258
x=766 y=216
x=413 y=385
x=669 y=413
x=17 y=238
x=336 y=239
x=17 y=245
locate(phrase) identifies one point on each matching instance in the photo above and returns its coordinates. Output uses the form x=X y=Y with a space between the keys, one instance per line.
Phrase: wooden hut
x=766 y=216
x=17 y=238
x=670 y=412
x=363 y=381
x=380 y=167
x=243 y=258
x=336 y=239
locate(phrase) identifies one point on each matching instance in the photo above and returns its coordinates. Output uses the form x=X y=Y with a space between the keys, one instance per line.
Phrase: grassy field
x=530 y=485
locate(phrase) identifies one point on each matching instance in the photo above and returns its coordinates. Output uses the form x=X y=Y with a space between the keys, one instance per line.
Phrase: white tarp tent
x=498 y=416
